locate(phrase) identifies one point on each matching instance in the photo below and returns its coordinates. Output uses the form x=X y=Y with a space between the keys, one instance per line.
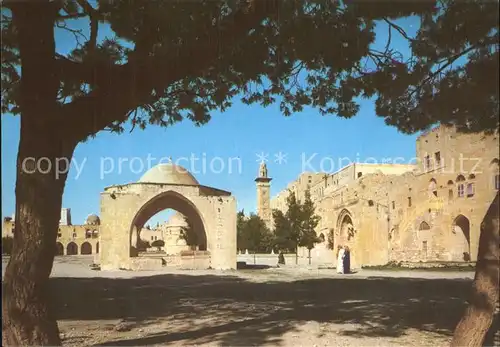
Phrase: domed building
x=127 y=208
x=168 y=174
x=172 y=232
x=92 y=220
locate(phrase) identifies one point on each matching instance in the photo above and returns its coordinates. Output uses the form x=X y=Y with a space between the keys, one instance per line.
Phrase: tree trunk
x=26 y=315
x=472 y=328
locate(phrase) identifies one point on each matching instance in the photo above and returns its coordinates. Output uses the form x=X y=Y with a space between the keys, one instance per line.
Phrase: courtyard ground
x=273 y=307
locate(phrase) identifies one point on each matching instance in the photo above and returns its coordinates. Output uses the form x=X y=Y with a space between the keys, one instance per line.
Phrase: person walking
x=347 y=260
x=340 y=259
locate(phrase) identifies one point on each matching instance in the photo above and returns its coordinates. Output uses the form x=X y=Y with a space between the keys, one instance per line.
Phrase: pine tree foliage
x=163 y=61
x=253 y=234
x=310 y=221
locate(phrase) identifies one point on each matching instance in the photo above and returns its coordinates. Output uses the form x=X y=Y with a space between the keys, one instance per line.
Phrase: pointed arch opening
x=164 y=201
x=86 y=248
x=433 y=187
x=495 y=173
x=59 y=248
x=71 y=249
x=424 y=226
x=460 y=242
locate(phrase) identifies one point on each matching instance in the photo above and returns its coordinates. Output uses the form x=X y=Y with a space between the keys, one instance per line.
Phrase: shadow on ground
x=237 y=312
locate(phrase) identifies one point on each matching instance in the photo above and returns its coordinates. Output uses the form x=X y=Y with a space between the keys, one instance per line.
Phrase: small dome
x=93 y=220
x=177 y=220
x=168 y=174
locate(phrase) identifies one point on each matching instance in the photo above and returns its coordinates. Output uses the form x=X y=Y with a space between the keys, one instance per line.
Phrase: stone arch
x=168 y=200
x=71 y=249
x=345 y=226
x=424 y=226
x=460 y=241
x=59 y=248
x=86 y=248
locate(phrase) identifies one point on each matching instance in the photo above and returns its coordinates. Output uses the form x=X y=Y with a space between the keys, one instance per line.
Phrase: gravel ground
x=270 y=307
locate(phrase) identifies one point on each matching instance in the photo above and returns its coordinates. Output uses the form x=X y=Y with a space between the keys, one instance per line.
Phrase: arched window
x=433 y=187
x=450 y=189
x=495 y=168
x=460 y=186
x=470 y=186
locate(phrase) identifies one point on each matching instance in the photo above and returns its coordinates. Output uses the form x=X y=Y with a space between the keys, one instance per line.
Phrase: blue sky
x=241 y=132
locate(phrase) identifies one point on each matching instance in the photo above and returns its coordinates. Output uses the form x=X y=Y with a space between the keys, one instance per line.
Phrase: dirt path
x=256 y=307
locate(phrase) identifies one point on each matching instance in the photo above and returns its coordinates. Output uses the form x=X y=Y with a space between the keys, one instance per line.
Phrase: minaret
x=264 y=196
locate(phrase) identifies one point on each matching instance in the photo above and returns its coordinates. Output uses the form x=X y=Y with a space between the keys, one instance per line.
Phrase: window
x=74 y=235
x=393 y=205
x=460 y=186
x=424 y=248
x=409 y=201
x=360 y=174
x=437 y=159
x=433 y=187
x=59 y=234
x=460 y=190
x=450 y=194
x=427 y=162
x=152 y=238
x=470 y=190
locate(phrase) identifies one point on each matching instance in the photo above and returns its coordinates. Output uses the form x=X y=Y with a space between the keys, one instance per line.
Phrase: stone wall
x=430 y=211
x=71 y=239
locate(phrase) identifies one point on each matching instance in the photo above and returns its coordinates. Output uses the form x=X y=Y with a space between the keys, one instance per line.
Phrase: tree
x=171 y=60
x=330 y=239
x=142 y=245
x=189 y=235
x=310 y=221
x=255 y=235
x=281 y=232
x=474 y=325
x=240 y=231
x=293 y=216
x=158 y=244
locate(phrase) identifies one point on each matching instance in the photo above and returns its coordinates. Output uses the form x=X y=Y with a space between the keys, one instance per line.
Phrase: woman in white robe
x=340 y=260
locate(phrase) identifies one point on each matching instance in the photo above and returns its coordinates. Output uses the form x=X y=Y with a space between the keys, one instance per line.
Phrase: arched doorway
x=163 y=201
x=424 y=238
x=59 y=248
x=71 y=249
x=347 y=234
x=460 y=240
x=86 y=248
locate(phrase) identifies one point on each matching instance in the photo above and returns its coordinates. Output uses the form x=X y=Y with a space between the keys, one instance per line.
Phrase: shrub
x=7 y=243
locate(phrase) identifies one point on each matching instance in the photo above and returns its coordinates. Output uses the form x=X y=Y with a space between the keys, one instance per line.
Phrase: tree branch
x=399 y=29
x=93 y=15
x=121 y=88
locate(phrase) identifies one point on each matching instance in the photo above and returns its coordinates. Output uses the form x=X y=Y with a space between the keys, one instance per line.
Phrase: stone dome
x=93 y=220
x=177 y=220
x=168 y=174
